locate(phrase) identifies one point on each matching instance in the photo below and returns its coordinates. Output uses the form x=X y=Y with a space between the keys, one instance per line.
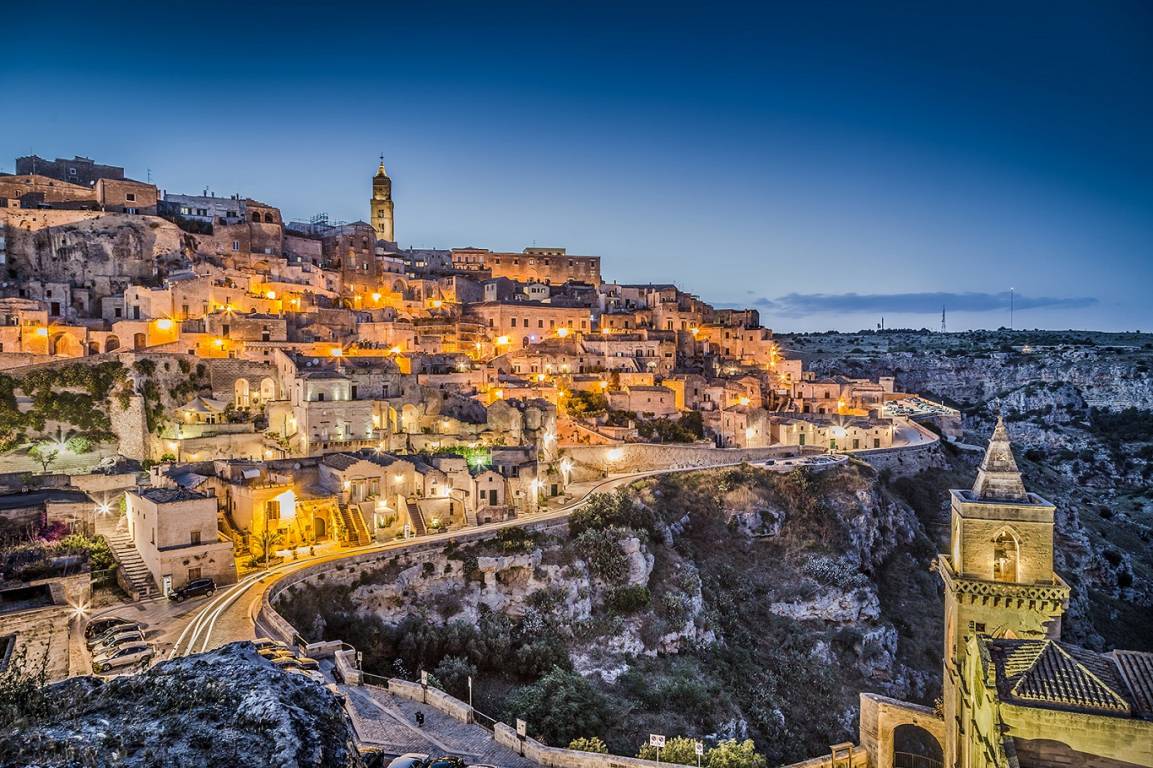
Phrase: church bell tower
x=998 y=574
x=382 y=204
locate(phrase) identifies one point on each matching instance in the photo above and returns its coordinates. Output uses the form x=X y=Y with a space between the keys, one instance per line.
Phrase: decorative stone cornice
x=1047 y=597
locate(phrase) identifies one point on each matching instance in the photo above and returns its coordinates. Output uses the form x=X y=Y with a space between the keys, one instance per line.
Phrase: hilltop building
x=1016 y=695
x=382 y=212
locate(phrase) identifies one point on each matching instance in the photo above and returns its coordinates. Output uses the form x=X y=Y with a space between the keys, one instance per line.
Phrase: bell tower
x=382 y=204
x=998 y=574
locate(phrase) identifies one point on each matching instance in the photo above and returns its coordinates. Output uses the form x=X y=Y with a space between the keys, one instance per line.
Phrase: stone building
x=175 y=532
x=1015 y=695
x=382 y=212
x=126 y=196
x=78 y=170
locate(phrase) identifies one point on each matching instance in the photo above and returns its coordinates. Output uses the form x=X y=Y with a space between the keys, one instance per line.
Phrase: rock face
x=227 y=707
x=1095 y=375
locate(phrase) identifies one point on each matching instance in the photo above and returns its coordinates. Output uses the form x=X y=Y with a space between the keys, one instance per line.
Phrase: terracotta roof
x=1137 y=669
x=340 y=460
x=1049 y=673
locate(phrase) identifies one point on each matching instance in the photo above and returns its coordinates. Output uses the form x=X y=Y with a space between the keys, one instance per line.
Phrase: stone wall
x=644 y=457
x=907 y=460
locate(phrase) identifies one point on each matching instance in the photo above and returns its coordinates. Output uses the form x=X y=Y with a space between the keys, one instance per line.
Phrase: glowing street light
x=336 y=352
x=376 y=296
x=164 y=324
x=562 y=332
x=270 y=295
x=502 y=341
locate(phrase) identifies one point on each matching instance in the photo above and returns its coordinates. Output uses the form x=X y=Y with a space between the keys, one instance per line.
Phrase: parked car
x=115 y=629
x=194 y=588
x=263 y=643
x=98 y=627
x=447 y=761
x=115 y=640
x=296 y=662
x=122 y=656
x=409 y=760
x=272 y=652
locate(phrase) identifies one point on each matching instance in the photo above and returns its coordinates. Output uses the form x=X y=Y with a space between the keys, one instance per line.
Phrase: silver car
x=122 y=656
x=109 y=642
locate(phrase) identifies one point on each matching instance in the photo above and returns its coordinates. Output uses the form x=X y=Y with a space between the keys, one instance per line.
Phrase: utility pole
x=942 y=319
x=1010 y=309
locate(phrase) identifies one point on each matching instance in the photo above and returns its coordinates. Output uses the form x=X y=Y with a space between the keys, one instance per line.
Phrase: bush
x=680 y=750
x=560 y=707
x=600 y=548
x=604 y=510
x=593 y=744
x=453 y=672
x=628 y=599
x=735 y=754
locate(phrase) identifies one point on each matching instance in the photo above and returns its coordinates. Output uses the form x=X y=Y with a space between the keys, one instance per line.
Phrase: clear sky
x=830 y=162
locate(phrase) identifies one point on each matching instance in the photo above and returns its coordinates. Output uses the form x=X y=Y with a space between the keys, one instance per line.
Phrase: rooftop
x=1056 y=675
x=170 y=495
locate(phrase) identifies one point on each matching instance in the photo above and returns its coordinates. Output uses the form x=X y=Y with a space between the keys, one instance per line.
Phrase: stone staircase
x=355 y=532
x=417 y=519
x=134 y=574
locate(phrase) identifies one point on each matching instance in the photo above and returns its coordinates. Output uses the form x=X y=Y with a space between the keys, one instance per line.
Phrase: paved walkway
x=389 y=722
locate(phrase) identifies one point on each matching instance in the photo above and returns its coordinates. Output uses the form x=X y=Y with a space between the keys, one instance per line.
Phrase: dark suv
x=194 y=588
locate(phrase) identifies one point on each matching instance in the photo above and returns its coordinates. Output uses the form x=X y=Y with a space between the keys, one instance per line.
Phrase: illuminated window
x=1005 y=555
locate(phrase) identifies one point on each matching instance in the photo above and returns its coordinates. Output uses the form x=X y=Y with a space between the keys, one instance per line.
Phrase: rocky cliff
x=695 y=604
x=229 y=707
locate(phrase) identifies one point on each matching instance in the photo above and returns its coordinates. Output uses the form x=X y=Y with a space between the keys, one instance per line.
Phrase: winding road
x=182 y=629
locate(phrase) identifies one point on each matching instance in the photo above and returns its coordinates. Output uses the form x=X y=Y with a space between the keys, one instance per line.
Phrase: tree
x=266 y=542
x=453 y=673
x=735 y=754
x=561 y=706
x=45 y=454
x=679 y=749
x=593 y=744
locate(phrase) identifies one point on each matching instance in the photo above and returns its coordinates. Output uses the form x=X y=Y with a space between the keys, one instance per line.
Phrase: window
x=272 y=510
x=130 y=197
x=195 y=538
x=236 y=245
x=193 y=574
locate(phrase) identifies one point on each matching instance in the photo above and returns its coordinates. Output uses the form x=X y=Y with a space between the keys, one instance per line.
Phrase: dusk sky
x=829 y=163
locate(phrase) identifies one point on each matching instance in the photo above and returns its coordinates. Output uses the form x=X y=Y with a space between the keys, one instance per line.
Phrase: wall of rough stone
x=590 y=460
x=905 y=461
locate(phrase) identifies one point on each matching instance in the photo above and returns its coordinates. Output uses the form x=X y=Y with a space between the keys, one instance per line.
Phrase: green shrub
x=560 y=707
x=679 y=750
x=627 y=599
x=600 y=548
x=592 y=744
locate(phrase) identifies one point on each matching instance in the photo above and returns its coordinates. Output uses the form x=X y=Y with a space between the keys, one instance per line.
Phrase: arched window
x=268 y=218
x=256 y=217
x=1005 y=556
x=242 y=393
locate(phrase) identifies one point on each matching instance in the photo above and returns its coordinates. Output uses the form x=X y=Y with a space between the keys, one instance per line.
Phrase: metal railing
x=911 y=760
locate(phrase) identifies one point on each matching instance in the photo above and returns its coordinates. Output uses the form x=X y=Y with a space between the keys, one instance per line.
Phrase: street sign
x=700 y=749
x=656 y=740
x=521 y=728
x=424 y=678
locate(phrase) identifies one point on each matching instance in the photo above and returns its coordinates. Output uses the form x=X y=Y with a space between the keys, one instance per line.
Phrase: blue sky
x=828 y=162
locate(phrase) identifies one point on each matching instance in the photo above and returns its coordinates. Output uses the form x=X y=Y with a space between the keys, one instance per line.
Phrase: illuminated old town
x=398 y=485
